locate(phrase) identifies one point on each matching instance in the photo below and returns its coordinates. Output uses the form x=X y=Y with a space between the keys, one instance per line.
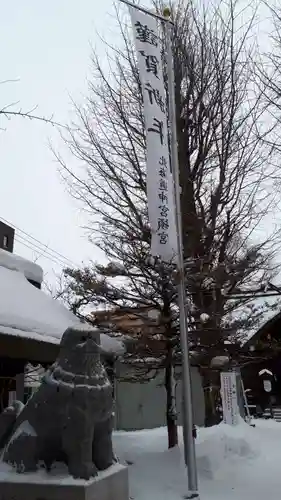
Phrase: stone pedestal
x=111 y=484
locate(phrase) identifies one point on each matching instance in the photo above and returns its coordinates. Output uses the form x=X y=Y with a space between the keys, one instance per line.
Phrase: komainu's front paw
x=84 y=470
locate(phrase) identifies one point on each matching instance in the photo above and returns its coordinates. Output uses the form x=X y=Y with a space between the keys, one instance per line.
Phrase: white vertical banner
x=229 y=398
x=160 y=192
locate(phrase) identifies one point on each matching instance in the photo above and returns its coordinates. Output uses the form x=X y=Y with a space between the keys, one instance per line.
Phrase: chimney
x=7 y=236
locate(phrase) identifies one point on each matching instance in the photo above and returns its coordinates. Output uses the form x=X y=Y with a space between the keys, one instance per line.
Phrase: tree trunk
x=171 y=411
x=211 y=384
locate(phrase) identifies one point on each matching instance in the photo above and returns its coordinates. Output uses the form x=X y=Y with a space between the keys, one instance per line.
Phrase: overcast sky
x=46 y=47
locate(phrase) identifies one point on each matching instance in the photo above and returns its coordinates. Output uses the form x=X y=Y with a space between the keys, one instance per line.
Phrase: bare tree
x=268 y=72
x=13 y=110
x=224 y=169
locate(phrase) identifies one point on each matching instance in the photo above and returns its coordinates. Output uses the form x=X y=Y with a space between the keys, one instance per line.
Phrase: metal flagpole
x=146 y=11
x=189 y=445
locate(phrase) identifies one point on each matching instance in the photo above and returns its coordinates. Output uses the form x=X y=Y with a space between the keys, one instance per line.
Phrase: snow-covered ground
x=233 y=463
x=241 y=463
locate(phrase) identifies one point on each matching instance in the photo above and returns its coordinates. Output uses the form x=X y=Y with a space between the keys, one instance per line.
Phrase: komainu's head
x=79 y=349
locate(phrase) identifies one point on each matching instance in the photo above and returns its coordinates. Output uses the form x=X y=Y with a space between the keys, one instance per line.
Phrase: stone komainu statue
x=69 y=417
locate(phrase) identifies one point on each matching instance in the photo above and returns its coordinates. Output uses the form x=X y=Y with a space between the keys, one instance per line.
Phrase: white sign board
x=267 y=385
x=160 y=191
x=230 y=406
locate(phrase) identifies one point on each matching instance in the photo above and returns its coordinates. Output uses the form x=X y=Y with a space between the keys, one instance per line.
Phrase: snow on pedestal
x=111 y=484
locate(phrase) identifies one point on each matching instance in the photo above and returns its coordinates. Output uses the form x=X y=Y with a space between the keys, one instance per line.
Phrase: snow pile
x=222 y=444
x=244 y=463
x=26 y=311
x=16 y=263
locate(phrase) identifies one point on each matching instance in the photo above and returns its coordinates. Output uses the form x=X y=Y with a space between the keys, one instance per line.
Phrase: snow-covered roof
x=265 y=372
x=26 y=311
x=16 y=263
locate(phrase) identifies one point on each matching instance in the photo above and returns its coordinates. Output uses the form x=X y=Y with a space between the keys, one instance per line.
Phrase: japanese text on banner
x=229 y=398
x=160 y=193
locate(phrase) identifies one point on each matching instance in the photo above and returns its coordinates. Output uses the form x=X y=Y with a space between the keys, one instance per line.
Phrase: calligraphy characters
x=161 y=209
x=163 y=219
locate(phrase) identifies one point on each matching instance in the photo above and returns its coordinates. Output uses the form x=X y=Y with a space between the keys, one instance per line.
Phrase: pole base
x=192 y=495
